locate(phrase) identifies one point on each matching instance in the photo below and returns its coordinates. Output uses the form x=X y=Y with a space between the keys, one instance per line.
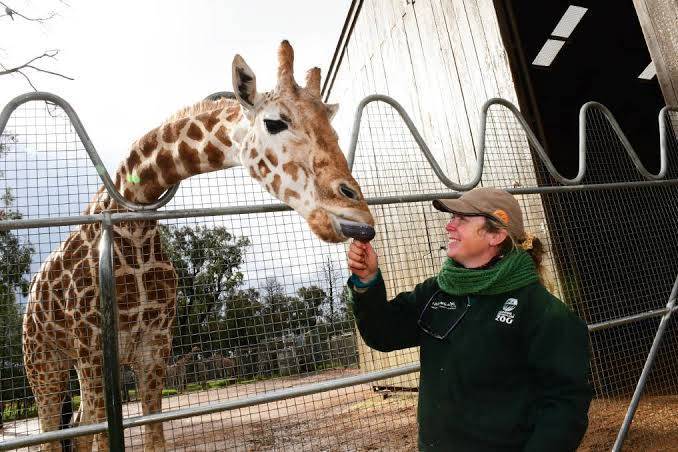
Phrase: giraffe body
x=286 y=142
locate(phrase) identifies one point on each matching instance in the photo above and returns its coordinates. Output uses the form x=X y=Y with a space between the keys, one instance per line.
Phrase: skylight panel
x=569 y=21
x=649 y=72
x=548 y=52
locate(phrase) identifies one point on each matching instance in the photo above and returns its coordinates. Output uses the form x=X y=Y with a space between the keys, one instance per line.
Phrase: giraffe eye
x=274 y=126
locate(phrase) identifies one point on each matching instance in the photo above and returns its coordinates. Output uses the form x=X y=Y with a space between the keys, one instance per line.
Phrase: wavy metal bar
x=531 y=137
x=87 y=143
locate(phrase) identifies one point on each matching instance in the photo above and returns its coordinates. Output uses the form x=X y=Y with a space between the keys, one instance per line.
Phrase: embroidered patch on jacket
x=443 y=304
x=505 y=315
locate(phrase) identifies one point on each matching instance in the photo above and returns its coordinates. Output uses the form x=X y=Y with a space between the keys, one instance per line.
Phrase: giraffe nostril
x=348 y=192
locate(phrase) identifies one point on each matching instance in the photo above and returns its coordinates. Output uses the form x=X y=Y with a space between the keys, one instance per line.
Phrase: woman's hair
x=531 y=244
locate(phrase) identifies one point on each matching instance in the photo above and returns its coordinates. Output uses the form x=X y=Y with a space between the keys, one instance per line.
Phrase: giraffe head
x=292 y=150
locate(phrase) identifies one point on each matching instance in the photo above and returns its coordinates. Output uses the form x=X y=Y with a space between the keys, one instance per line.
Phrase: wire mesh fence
x=261 y=304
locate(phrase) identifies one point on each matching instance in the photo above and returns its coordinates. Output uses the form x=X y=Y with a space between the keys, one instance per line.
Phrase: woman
x=504 y=363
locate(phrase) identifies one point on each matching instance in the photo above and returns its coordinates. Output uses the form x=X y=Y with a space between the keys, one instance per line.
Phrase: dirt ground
x=357 y=419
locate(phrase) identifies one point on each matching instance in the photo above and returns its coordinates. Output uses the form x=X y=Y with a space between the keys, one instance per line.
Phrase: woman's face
x=469 y=243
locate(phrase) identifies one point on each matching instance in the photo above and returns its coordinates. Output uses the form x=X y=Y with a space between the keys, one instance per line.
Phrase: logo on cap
x=501 y=215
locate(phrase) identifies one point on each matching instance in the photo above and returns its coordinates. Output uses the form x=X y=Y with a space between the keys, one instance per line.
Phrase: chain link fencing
x=264 y=352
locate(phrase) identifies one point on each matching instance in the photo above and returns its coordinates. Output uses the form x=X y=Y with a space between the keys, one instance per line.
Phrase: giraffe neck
x=203 y=138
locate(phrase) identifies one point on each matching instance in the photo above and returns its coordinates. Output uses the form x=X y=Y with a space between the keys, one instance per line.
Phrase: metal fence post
x=623 y=431
x=109 y=332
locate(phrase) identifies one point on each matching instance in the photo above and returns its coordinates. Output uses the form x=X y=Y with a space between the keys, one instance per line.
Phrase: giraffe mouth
x=354 y=230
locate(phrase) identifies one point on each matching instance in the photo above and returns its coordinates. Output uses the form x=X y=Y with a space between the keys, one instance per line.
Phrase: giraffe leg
x=150 y=371
x=92 y=404
x=47 y=373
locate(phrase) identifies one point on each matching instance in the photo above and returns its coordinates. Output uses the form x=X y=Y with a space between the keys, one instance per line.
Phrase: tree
x=329 y=275
x=34 y=64
x=243 y=323
x=15 y=262
x=308 y=308
x=207 y=263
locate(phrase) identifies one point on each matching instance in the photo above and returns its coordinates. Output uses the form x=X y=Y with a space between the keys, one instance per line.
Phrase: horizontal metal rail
x=631 y=318
x=271 y=396
x=244 y=402
x=6 y=225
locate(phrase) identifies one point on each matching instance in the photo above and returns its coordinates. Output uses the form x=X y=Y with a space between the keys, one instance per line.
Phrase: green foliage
x=15 y=261
x=207 y=262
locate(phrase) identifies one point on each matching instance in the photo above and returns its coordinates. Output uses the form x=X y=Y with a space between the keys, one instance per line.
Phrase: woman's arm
x=558 y=357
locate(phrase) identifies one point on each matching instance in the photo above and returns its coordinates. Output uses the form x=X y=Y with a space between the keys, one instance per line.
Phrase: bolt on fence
x=264 y=354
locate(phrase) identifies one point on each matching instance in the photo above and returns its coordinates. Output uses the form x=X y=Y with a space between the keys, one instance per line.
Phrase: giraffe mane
x=200 y=107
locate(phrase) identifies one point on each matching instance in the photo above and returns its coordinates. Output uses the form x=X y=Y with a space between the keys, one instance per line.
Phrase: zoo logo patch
x=505 y=315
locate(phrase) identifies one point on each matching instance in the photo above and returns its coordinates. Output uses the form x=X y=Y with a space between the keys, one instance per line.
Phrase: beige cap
x=490 y=202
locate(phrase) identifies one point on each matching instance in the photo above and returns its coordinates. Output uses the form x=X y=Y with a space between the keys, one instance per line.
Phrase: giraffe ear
x=244 y=83
x=332 y=110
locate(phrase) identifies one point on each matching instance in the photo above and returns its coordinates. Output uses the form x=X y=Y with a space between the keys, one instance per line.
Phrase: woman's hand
x=362 y=260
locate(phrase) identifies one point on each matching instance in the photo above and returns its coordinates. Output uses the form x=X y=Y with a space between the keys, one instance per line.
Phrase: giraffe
x=284 y=140
x=176 y=372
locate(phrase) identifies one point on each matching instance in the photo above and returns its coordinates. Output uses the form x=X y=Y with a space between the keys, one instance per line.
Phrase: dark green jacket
x=509 y=377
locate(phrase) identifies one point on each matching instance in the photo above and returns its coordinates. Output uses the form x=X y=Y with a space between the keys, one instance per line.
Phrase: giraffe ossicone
x=283 y=138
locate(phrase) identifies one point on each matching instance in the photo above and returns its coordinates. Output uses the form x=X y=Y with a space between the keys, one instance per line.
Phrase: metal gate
x=265 y=355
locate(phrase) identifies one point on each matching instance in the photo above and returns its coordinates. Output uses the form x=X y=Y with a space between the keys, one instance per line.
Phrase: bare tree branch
x=11 y=12
x=20 y=69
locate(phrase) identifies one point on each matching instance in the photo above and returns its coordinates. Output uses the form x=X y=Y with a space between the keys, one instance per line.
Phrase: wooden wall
x=441 y=59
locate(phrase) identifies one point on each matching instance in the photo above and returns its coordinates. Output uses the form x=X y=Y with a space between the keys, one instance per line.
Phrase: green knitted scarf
x=513 y=271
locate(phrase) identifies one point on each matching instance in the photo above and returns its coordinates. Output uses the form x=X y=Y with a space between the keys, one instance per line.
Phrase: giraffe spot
x=125 y=319
x=319 y=164
x=71 y=299
x=168 y=170
x=264 y=170
x=156 y=284
x=171 y=132
x=43 y=293
x=54 y=269
x=133 y=161
x=222 y=136
x=151 y=316
x=271 y=157
x=58 y=290
x=118 y=181
x=276 y=183
x=194 y=132
x=127 y=291
x=128 y=195
x=189 y=157
x=82 y=275
x=93 y=319
x=72 y=249
x=290 y=194
x=214 y=155
x=292 y=169
x=152 y=187
x=157 y=249
x=149 y=142
x=88 y=300
x=233 y=113
x=90 y=232
x=209 y=120
x=56 y=310
x=254 y=175
x=83 y=331
x=253 y=153
x=126 y=249
x=146 y=249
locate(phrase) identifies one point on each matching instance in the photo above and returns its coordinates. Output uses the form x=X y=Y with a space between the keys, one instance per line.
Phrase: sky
x=137 y=62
